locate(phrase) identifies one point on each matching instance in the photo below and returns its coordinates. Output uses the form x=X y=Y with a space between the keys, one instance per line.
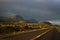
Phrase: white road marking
x=40 y=35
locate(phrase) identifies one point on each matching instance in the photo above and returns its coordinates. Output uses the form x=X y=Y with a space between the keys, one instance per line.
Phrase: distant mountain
x=56 y=22
x=32 y=21
x=45 y=22
x=15 y=18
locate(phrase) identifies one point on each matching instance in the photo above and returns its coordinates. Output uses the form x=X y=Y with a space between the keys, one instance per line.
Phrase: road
x=53 y=34
x=26 y=36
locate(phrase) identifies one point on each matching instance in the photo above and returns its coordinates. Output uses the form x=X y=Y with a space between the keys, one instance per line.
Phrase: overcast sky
x=37 y=9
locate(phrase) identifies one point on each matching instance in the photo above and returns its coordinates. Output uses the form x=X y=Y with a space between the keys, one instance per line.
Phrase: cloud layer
x=38 y=9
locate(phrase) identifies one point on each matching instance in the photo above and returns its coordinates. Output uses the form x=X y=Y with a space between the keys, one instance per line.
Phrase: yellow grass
x=58 y=28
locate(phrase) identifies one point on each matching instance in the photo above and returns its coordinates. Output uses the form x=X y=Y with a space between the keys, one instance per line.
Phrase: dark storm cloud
x=38 y=9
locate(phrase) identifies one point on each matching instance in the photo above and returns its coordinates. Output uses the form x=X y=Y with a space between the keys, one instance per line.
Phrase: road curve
x=26 y=36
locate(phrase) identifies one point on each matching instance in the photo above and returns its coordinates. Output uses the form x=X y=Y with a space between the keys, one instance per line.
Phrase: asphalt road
x=25 y=36
x=51 y=35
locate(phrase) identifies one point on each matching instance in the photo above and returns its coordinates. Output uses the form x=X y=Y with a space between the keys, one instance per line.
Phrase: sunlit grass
x=58 y=28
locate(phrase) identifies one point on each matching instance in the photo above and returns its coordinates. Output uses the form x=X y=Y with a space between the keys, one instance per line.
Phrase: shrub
x=9 y=29
x=26 y=27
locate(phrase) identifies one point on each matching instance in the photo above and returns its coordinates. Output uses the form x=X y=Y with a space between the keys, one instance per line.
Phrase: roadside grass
x=58 y=28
